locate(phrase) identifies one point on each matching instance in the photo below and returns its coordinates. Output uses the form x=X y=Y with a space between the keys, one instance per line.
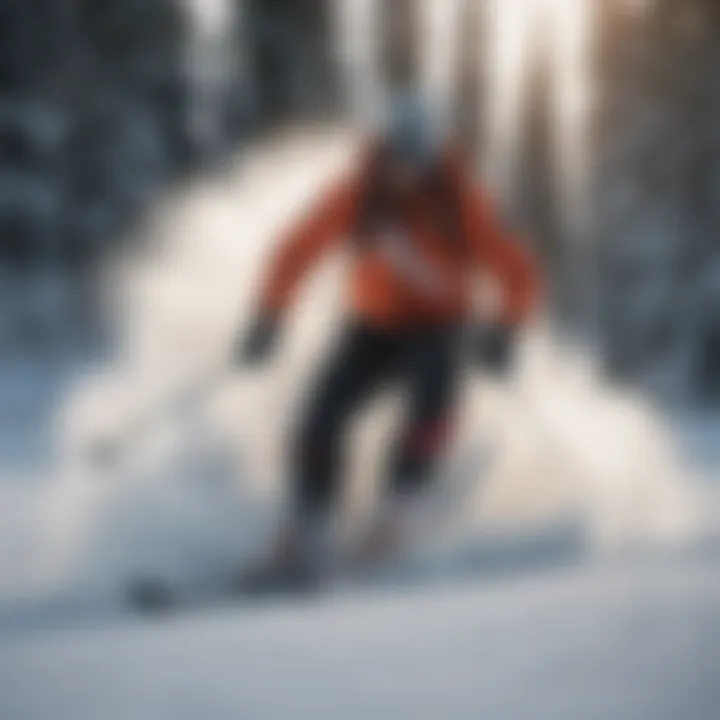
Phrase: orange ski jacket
x=408 y=272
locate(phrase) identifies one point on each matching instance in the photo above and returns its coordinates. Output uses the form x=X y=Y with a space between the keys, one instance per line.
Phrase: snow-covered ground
x=579 y=477
x=599 y=642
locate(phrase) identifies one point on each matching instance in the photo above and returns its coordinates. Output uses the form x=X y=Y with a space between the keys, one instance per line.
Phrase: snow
x=579 y=581
x=606 y=642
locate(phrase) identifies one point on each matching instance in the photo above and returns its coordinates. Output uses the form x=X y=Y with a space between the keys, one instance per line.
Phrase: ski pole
x=107 y=450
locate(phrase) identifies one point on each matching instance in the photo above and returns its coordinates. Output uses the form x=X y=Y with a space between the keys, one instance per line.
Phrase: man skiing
x=419 y=232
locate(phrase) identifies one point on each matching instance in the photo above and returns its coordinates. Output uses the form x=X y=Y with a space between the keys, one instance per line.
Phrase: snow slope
x=599 y=642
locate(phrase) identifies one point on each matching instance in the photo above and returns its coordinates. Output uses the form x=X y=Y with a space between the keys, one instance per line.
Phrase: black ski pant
x=424 y=362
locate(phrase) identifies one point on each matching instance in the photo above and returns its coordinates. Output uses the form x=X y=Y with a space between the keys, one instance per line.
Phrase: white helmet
x=412 y=131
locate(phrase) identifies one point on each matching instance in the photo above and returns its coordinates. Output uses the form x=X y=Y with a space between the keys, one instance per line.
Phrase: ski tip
x=150 y=596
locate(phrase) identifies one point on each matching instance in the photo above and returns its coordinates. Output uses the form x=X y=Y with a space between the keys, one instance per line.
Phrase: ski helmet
x=412 y=132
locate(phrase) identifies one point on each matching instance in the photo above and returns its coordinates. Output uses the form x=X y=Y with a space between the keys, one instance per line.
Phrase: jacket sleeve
x=326 y=222
x=505 y=257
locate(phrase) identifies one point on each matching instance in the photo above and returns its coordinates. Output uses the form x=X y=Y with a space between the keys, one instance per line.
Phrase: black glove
x=493 y=349
x=258 y=344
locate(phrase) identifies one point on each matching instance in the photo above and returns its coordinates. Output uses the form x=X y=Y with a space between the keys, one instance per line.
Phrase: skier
x=420 y=232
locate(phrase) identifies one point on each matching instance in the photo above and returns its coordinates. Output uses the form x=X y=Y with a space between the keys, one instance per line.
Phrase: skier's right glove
x=257 y=345
x=493 y=349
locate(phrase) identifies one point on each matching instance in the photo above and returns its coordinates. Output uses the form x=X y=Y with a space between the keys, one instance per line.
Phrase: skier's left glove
x=258 y=344
x=493 y=349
